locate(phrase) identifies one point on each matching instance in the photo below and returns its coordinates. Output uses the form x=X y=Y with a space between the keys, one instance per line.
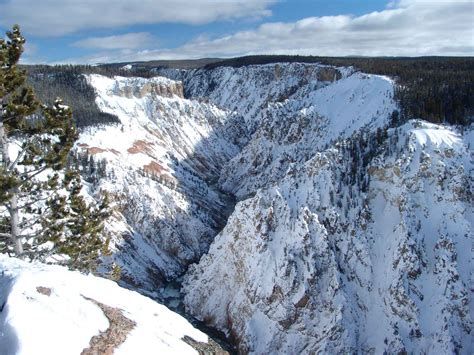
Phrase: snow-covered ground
x=49 y=310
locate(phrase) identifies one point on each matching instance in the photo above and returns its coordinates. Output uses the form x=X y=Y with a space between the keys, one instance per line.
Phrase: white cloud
x=406 y=28
x=126 y=41
x=59 y=17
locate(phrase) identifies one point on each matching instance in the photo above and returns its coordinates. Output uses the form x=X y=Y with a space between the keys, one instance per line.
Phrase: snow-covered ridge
x=436 y=136
x=249 y=90
x=312 y=264
x=292 y=130
x=50 y=310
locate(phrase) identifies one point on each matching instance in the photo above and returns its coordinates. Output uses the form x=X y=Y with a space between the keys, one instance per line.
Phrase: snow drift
x=50 y=310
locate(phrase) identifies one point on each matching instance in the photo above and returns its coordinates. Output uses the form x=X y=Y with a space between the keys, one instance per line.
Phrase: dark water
x=172 y=298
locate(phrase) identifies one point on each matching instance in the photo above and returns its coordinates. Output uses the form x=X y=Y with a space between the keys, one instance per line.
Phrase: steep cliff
x=165 y=157
x=162 y=160
x=348 y=237
x=310 y=264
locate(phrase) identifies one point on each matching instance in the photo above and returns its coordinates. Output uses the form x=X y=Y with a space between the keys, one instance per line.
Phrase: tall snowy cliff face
x=314 y=264
x=162 y=162
x=347 y=236
x=165 y=158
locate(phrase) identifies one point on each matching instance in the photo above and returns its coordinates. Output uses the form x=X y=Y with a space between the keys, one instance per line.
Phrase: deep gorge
x=345 y=211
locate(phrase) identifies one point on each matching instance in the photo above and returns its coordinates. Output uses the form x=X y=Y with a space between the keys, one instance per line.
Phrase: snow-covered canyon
x=350 y=233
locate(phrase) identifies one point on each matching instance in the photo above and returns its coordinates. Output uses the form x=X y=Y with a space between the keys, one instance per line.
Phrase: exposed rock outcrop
x=139 y=88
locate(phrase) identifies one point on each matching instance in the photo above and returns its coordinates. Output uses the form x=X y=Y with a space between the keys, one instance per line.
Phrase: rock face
x=350 y=235
x=139 y=88
x=251 y=90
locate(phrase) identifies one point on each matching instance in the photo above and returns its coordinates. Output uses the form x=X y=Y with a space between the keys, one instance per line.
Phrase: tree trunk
x=13 y=207
x=15 y=225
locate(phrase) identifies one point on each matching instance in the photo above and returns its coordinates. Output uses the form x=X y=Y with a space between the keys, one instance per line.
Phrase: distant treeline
x=171 y=64
x=436 y=89
x=67 y=83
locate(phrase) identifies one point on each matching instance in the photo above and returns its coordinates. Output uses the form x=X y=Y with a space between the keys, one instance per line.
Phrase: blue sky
x=91 y=31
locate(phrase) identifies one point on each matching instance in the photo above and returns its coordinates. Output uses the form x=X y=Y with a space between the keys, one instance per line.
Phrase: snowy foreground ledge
x=49 y=310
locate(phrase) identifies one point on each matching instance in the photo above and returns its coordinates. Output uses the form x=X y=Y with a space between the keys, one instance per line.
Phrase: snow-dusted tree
x=44 y=212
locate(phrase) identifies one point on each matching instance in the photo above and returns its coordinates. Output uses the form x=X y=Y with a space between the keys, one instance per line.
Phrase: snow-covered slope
x=161 y=161
x=313 y=263
x=250 y=90
x=308 y=121
x=288 y=108
x=50 y=310
x=348 y=236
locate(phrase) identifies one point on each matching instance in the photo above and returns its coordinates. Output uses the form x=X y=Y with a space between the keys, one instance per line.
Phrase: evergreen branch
x=8 y=118
x=31 y=203
x=35 y=219
x=29 y=236
x=7 y=206
x=18 y=144
x=34 y=170
x=29 y=178
x=29 y=223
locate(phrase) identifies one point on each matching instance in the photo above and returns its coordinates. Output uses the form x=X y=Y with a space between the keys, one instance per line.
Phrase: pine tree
x=44 y=210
